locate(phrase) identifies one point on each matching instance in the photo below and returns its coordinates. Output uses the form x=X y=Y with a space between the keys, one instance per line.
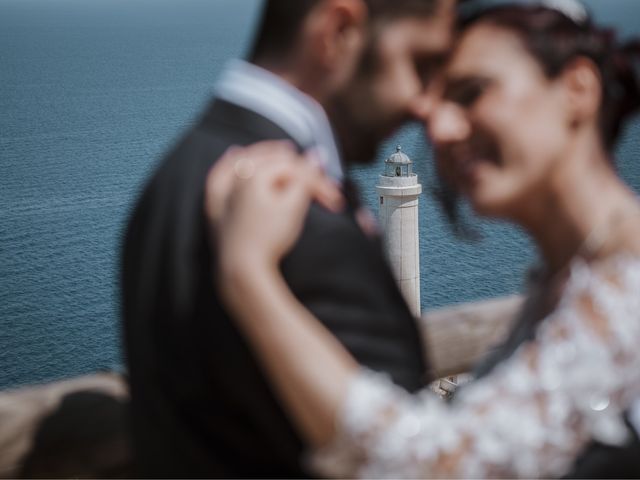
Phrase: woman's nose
x=447 y=123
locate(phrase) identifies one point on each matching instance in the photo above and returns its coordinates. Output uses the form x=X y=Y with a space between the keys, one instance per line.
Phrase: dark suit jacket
x=201 y=406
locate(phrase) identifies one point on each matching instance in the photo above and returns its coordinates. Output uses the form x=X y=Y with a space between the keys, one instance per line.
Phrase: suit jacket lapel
x=237 y=118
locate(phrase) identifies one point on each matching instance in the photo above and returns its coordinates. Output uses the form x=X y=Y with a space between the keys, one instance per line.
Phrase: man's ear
x=582 y=83
x=339 y=32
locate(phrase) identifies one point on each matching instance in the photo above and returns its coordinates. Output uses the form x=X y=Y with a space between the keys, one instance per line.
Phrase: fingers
x=236 y=164
x=303 y=178
x=269 y=164
x=321 y=188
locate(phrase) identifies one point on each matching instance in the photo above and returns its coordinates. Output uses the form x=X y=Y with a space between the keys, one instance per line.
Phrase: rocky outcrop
x=73 y=429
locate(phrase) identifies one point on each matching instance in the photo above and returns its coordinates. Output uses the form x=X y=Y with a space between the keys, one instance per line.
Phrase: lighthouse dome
x=398 y=165
x=398 y=157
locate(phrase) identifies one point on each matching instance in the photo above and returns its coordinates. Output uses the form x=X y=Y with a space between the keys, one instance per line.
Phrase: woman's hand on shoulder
x=257 y=198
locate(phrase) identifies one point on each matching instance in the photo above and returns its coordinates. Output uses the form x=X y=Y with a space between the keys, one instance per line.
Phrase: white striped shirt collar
x=303 y=118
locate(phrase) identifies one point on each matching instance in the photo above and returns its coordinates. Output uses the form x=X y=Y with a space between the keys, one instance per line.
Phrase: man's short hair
x=393 y=9
x=282 y=20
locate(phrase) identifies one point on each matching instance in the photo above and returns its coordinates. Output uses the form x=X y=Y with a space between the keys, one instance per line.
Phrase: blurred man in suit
x=337 y=76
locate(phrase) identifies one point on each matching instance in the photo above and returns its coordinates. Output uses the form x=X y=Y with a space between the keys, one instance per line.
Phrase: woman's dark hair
x=555 y=40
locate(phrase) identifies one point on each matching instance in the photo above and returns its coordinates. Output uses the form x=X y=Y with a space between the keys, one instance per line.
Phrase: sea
x=92 y=93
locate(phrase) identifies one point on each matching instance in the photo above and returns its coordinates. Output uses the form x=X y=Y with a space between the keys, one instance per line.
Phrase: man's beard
x=359 y=142
x=361 y=124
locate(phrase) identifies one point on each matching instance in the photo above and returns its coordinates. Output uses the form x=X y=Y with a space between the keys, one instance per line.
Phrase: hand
x=257 y=198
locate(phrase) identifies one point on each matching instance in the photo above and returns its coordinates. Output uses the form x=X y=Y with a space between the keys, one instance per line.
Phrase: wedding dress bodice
x=530 y=417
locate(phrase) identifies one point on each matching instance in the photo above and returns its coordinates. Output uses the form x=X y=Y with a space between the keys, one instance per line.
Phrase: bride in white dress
x=523 y=119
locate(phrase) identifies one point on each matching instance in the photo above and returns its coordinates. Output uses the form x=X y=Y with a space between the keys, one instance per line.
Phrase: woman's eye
x=466 y=93
x=469 y=95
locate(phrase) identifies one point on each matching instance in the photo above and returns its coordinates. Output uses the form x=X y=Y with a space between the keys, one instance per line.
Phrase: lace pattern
x=530 y=417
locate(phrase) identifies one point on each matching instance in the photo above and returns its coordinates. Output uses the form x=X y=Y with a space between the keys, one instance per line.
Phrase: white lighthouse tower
x=398 y=192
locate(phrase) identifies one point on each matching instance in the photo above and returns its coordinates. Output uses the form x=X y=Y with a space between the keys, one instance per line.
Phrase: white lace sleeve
x=530 y=417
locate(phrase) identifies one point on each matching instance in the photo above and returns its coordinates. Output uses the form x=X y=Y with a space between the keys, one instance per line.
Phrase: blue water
x=91 y=94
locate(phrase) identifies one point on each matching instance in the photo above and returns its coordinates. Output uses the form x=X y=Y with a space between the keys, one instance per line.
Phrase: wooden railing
x=78 y=428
